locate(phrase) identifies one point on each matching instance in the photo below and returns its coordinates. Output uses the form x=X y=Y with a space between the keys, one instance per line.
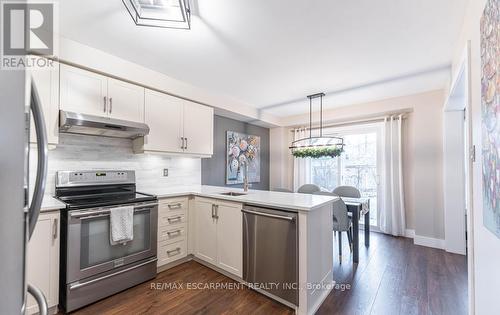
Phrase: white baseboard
x=429 y=242
x=410 y=233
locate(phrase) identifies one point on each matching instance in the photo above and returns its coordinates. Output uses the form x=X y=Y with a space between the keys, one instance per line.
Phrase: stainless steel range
x=91 y=267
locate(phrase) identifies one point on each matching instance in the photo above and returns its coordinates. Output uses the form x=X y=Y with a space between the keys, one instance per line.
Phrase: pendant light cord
x=310 y=117
x=321 y=116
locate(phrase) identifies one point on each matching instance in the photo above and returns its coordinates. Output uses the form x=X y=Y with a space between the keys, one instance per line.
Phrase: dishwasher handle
x=269 y=215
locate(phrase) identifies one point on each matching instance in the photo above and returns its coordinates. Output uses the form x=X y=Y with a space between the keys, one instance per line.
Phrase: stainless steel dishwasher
x=270 y=251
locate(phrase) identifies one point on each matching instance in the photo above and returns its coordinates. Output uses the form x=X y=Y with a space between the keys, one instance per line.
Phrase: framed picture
x=490 y=112
x=241 y=149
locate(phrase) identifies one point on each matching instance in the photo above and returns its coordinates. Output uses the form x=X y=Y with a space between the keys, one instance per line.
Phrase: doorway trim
x=464 y=70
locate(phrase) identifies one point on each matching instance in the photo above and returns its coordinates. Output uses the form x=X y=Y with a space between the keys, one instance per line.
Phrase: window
x=357 y=166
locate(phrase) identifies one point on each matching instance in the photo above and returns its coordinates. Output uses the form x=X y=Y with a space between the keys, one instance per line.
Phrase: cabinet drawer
x=170 y=234
x=168 y=253
x=166 y=206
x=173 y=218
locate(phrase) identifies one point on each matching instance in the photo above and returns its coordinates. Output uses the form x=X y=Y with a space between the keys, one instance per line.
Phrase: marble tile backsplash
x=79 y=152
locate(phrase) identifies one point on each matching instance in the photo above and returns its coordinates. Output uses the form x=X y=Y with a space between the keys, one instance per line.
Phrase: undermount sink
x=232 y=193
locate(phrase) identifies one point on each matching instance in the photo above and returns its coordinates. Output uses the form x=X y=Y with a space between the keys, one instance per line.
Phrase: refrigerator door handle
x=40 y=299
x=42 y=149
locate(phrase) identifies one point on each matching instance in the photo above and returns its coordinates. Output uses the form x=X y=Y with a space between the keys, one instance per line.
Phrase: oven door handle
x=105 y=212
x=83 y=284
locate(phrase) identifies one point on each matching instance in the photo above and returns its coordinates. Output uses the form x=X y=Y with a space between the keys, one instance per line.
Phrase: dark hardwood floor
x=393 y=277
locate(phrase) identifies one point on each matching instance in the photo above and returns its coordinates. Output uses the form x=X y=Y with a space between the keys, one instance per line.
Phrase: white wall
x=486 y=251
x=78 y=152
x=422 y=154
x=279 y=158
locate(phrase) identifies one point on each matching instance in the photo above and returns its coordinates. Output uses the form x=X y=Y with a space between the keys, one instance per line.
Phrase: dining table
x=358 y=207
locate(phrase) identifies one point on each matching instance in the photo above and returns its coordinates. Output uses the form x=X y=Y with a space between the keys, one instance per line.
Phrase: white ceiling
x=271 y=54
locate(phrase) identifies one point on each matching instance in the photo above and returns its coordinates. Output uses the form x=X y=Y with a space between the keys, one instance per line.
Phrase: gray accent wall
x=213 y=170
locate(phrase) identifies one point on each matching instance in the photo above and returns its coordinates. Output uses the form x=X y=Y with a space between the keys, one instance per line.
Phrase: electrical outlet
x=165 y=172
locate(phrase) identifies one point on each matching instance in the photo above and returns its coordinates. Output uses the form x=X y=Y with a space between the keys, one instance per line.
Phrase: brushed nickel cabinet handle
x=175 y=206
x=110 y=105
x=174 y=232
x=217 y=212
x=105 y=105
x=178 y=250
x=174 y=219
x=54 y=229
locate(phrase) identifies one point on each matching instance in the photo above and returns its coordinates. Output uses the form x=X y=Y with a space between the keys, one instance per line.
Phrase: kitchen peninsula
x=314 y=227
x=188 y=229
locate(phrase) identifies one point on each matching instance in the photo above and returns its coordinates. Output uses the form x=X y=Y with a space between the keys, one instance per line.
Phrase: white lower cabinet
x=230 y=238
x=168 y=253
x=219 y=234
x=43 y=260
x=172 y=229
x=206 y=231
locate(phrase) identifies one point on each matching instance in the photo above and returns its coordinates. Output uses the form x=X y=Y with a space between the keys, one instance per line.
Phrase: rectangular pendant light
x=160 y=13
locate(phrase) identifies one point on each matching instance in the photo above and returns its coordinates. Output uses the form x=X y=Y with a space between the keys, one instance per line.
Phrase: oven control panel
x=81 y=178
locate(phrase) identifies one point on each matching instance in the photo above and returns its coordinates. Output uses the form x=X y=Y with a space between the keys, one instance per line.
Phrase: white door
x=163 y=115
x=47 y=85
x=230 y=238
x=83 y=91
x=198 y=128
x=43 y=260
x=206 y=232
x=126 y=101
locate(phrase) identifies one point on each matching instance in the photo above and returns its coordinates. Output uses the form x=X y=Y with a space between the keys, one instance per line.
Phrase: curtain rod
x=360 y=121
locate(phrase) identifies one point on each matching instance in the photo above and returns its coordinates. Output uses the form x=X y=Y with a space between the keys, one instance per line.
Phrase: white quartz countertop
x=283 y=200
x=50 y=203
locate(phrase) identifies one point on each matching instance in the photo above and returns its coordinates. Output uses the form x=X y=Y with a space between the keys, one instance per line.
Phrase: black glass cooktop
x=100 y=196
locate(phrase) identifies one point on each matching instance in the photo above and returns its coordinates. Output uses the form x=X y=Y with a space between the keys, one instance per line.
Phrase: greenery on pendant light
x=317 y=152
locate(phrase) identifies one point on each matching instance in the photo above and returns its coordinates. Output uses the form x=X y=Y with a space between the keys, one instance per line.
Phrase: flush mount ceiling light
x=318 y=146
x=160 y=13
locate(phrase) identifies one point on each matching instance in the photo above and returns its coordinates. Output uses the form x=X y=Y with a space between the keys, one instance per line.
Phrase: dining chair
x=308 y=189
x=282 y=190
x=341 y=221
x=347 y=191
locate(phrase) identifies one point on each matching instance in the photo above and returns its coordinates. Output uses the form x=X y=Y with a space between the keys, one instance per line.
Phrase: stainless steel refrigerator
x=18 y=210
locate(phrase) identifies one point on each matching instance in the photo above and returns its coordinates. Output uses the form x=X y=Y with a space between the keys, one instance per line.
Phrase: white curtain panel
x=301 y=166
x=392 y=210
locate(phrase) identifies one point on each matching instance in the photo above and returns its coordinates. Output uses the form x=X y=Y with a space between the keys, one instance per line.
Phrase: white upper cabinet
x=83 y=91
x=163 y=115
x=47 y=84
x=176 y=126
x=126 y=101
x=198 y=128
x=86 y=92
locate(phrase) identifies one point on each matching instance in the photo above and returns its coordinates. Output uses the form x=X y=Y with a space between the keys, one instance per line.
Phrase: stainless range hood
x=71 y=122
